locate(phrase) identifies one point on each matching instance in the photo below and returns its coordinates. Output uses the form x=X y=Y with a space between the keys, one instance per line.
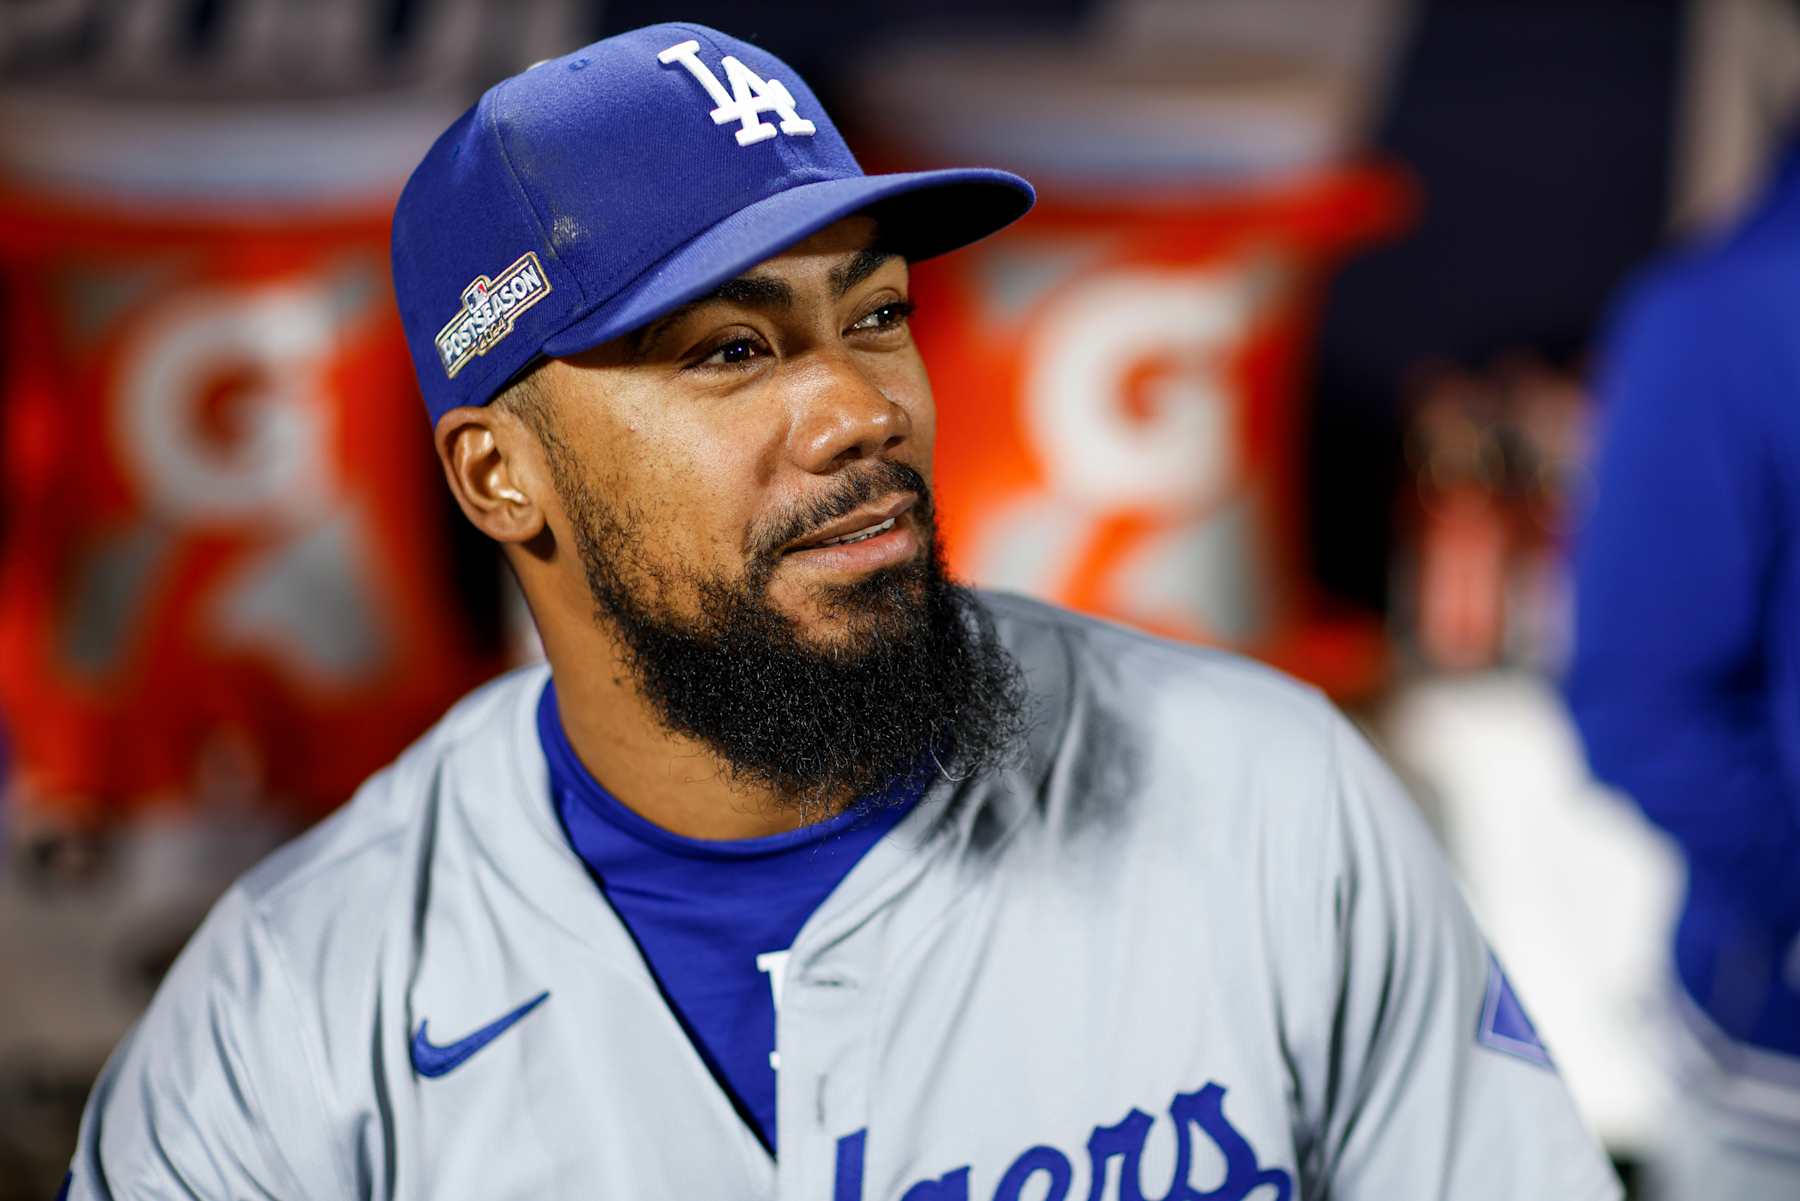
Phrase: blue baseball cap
x=593 y=193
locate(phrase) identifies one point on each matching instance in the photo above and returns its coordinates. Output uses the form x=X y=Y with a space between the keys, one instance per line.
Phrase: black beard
x=915 y=682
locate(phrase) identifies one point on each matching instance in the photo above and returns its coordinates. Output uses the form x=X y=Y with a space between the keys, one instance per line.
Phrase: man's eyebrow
x=866 y=263
x=751 y=291
x=759 y=292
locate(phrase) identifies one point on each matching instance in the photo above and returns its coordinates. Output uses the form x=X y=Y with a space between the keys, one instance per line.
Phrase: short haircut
x=526 y=399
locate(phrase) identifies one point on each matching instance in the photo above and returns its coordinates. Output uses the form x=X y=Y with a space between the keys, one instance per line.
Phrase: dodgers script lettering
x=1047 y=1173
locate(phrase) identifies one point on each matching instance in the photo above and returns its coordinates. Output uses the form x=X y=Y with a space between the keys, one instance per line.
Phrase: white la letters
x=751 y=95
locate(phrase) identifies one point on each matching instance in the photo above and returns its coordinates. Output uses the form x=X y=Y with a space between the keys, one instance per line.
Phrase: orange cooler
x=1120 y=376
x=227 y=552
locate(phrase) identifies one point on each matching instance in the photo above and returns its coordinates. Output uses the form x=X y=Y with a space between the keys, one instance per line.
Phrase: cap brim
x=921 y=213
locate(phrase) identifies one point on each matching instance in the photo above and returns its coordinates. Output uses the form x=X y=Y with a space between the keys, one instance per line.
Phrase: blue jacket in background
x=1686 y=676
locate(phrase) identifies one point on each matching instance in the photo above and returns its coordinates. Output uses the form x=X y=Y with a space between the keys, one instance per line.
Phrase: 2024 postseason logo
x=490 y=306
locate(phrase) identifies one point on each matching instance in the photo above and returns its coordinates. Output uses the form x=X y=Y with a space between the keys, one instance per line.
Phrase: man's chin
x=837 y=614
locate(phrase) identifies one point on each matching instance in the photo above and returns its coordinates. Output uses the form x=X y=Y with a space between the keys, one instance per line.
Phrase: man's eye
x=887 y=316
x=730 y=354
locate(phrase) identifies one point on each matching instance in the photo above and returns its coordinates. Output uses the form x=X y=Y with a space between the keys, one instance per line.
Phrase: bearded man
x=802 y=871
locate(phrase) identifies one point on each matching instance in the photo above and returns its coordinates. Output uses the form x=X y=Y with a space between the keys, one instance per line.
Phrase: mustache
x=847 y=494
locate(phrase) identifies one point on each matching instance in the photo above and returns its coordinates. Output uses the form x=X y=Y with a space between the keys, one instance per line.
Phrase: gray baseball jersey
x=1194 y=944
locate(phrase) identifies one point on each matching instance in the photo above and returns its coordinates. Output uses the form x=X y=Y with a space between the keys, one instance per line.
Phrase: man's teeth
x=859 y=535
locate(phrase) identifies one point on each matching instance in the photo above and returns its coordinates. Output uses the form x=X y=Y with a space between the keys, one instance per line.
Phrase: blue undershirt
x=703 y=911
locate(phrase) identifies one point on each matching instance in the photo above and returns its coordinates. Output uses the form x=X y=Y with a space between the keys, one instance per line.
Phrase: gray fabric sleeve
x=1426 y=1095
x=211 y=1096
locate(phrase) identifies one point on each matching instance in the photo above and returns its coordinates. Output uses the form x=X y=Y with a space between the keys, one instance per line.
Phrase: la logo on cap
x=751 y=95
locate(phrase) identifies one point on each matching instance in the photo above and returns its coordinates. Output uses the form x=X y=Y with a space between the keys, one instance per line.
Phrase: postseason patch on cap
x=489 y=308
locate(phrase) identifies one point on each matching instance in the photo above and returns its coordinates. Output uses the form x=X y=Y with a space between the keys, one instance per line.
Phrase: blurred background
x=1300 y=355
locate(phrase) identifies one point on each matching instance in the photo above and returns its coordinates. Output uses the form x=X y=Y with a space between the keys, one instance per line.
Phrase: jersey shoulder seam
x=259 y=931
x=423 y=758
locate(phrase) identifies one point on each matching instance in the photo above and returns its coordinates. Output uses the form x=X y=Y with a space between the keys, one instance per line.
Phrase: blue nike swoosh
x=428 y=1059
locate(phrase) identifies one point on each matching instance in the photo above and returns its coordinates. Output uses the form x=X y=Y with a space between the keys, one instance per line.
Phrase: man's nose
x=841 y=414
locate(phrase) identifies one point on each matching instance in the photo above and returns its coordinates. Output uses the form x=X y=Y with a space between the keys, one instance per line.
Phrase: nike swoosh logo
x=429 y=1059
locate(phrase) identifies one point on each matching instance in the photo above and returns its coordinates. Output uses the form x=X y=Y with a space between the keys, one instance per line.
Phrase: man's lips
x=861 y=523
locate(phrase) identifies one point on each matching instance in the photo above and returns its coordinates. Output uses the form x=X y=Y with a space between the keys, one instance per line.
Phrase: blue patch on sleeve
x=1504 y=1026
x=62 y=1193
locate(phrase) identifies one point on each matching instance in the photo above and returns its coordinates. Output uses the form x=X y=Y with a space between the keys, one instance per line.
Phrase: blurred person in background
x=1685 y=681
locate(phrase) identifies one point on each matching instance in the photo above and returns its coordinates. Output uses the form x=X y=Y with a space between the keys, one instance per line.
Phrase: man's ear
x=494 y=470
